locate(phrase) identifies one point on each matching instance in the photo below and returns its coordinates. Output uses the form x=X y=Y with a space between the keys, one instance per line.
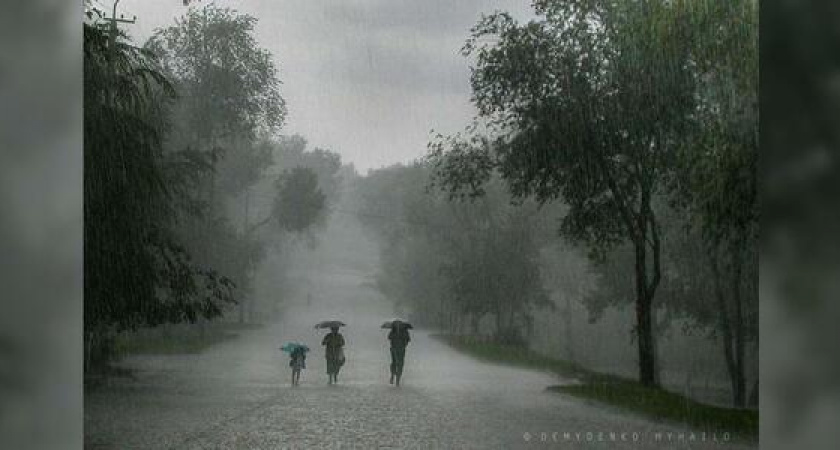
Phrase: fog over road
x=237 y=394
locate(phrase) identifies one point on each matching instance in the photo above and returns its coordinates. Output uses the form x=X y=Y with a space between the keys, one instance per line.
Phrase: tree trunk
x=511 y=316
x=646 y=233
x=727 y=338
x=658 y=326
x=753 y=403
x=567 y=325
x=644 y=331
x=647 y=358
x=499 y=319
x=739 y=385
x=89 y=342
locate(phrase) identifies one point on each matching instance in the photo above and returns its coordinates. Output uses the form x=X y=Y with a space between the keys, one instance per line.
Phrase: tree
x=301 y=202
x=292 y=151
x=684 y=292
x=229 y=90
x=586 y=104
x=717 y=177
x=455 y=263
x=229 y=103
x=303 y=182
x=136 y=271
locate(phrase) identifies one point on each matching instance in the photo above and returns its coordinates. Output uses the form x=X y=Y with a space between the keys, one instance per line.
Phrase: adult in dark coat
x=399 y=338
x=334 y=343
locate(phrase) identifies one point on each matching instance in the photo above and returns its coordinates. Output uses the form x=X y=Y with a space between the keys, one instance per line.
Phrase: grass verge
x=181 y=339
x=618 y=391
x=164 y=340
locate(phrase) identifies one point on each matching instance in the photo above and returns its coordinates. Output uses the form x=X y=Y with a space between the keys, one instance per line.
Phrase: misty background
x=373 y=101
x=51 y=232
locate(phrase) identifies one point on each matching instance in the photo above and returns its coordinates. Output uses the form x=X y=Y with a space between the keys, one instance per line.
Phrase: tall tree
x=301 y=201
x=717 y=178
x=585 y=103
x=229 y=90
x=229 y=101
x=293 y=151
x=136 y=272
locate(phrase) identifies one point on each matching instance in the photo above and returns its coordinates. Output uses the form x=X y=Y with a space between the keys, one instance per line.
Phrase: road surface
x=237 y=393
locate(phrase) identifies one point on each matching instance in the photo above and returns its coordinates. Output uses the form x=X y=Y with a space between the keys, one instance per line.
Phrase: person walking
x=334 y=343
x=297 y=359
x=399 y=338
x=297 y=362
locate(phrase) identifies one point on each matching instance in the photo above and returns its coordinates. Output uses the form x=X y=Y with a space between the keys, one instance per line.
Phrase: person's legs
x=329 y=370
x=393 y=364
x=398 y=363
x=400 y=360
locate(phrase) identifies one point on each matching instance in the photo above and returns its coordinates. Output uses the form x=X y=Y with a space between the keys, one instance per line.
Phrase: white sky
x=368 y=79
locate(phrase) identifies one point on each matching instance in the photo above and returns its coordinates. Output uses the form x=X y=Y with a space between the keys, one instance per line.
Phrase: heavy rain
x=395 y=224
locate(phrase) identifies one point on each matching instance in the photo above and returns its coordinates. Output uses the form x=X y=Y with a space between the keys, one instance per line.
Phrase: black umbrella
x=330 y=324
x=397 y=323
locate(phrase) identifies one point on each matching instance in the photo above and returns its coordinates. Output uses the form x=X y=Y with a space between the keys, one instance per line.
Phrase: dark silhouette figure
x=334 y=343
x=399 y=338
x=297 y=363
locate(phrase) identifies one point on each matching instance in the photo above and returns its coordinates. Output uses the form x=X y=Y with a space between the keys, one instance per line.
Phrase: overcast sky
x=368 y=79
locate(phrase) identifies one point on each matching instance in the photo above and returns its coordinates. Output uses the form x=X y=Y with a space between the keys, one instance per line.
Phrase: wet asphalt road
x=236 y=395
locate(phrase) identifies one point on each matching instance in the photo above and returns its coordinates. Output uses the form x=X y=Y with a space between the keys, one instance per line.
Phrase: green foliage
x=716 y=180
x=586 y=104
x=298 y=187
x=229 y=106
x=464 y=260
x=226 y=79
x=301 y=202
x=290 y=152
x=229 y=92
x=136 y=272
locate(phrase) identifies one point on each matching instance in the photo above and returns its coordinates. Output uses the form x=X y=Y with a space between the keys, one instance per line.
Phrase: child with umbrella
x=297 y=361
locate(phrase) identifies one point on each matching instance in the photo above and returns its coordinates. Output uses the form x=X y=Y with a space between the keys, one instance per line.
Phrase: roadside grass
x=181 y=339
x=177 y=339
x=617 y=391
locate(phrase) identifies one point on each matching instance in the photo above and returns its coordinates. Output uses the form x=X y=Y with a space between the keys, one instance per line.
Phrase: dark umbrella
x=330 y=324
x=397 y=323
